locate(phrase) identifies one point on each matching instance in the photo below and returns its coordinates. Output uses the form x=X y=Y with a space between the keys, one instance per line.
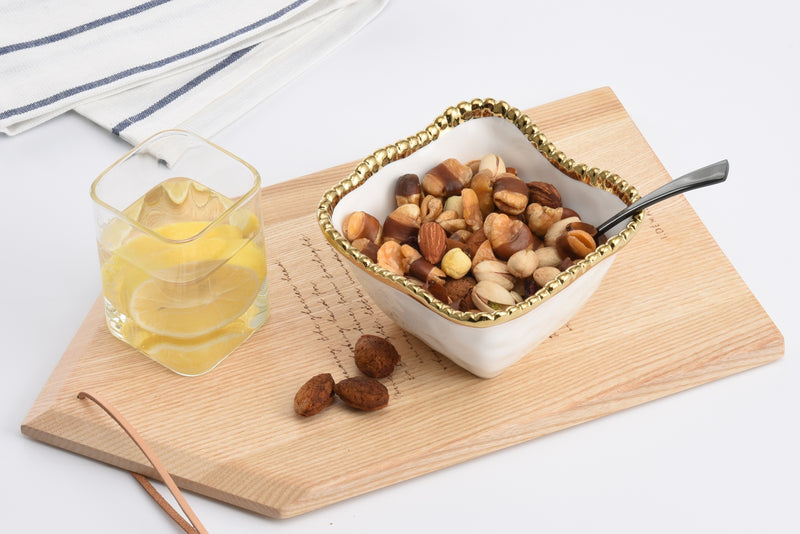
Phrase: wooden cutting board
x=683 y=318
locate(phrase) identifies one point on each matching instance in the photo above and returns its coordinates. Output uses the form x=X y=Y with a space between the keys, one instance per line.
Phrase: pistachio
x=544 y=193
x=548 y=256
x=540 y=218
x=509 y=235
x=407 y=190
x=455 y=263
x=390 y=257
x=543 y=275
x=360 y=224
x=494 y=271
x=510 y=194
x=492 y=163
x=430 y=208
x=522 y=263
x=402 y=224
x=446 y=179
x=555 y=230
x=432 y=241
x=489 y=296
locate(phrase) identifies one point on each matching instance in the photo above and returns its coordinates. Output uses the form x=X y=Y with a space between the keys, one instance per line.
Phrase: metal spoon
x=710 y=175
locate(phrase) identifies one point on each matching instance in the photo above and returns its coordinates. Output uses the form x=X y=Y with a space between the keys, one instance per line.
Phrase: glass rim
x=149 y=231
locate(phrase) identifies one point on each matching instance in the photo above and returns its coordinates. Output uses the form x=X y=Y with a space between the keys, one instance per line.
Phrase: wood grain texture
x=681 y=317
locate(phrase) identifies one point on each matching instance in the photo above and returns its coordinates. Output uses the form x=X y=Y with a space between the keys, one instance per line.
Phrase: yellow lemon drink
x=188 y=283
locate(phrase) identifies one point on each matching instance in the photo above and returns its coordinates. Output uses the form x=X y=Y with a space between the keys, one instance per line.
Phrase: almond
x=375 y=356
x=432 y=241
x=362 y=393
x=314 y=395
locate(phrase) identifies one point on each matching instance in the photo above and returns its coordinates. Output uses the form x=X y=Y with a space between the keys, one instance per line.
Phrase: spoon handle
x=712 y=174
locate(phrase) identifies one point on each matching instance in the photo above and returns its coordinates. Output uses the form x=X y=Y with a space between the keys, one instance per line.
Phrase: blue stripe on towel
x=191 y=84
x=82 y=28
x=148 y=66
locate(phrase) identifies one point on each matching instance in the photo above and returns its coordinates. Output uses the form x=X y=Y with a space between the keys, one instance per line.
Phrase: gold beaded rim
x=452 y=117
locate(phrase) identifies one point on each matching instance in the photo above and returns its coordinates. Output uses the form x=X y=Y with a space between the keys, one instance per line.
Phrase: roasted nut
x=483 y=185
x=575 y=244
x=362 y=393
x=432 y=241
x=314 y=395
x=407 y=190
x=417 y=266
x=446 y=179
x=360 y=224
x=367 y=247
x=475 y=240
x=430 y=208
x=459 y=293
x=390 y=256
x=494 y=271
x=488 y=221
x=455 y=263
x=402 y=224
x=544 y=193
x=509 y=235
x=484 y=252
x=521 y=264
x=548 y=256
x=451 y=224
x=489 y=297
x=555 y=230
x=471 y=209
x=461 y=235
x=375 y=356
x=543 y=275
x=510 y=194
x=492 y=163
x=540 y=218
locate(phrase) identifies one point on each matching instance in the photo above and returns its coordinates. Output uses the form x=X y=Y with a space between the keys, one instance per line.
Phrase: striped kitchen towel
x=136 y=67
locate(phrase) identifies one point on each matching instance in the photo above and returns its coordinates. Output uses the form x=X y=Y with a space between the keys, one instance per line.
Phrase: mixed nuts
x=476 y=235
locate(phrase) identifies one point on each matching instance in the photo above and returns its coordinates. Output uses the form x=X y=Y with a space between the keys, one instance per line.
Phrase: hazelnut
x=494 y=271
x=360 y=224
x=489 y=297
x=522 y=263
x=544 y=193
x=509 y=235
x=510 y=194
x=455 y=263
x=446 y=179
x=540 y=218
x=390 y=257
x=432 y=241
x=402 y=224
x=407 y=190
x=471 y=210
x=430 y=208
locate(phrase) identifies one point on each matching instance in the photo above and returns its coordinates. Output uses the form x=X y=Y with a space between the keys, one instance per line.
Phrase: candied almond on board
x=362 y=393
x=314 y=395
x=375 y=356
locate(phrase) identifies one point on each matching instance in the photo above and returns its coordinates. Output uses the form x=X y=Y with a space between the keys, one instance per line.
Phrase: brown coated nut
x=544 y=193
x=540 y=218
x=390 y=257
x=430 y=208
x=375 y=356
x=367 y=247
x=446 y=179
x=314 y=395
x=510 y=194
x=471 y=209
x=432 y=241
x=362 y=393
x=402 y=224
x=417 y=266
x=361 y=224
x=575 y=244
x=483 y=185
x=407 y=190
x=509 y=235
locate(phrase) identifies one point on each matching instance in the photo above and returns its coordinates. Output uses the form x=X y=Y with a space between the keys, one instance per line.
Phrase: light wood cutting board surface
x=672 y=313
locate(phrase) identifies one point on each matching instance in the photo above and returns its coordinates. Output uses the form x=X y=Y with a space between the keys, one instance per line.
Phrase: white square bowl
x=481 y=342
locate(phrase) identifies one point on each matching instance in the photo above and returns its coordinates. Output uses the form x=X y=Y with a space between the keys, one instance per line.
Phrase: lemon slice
x=193 y=309
x=196 y=357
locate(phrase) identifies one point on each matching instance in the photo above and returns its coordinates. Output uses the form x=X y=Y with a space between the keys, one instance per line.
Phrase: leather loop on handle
x=196 y=527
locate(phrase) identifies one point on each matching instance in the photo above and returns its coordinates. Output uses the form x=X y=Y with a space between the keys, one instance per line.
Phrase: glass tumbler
x=181 y=245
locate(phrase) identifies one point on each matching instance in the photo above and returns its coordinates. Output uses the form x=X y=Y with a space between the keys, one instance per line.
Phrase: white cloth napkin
x=138 y=67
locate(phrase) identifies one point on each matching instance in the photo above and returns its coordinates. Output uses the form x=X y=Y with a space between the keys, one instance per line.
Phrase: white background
x=703 y=80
